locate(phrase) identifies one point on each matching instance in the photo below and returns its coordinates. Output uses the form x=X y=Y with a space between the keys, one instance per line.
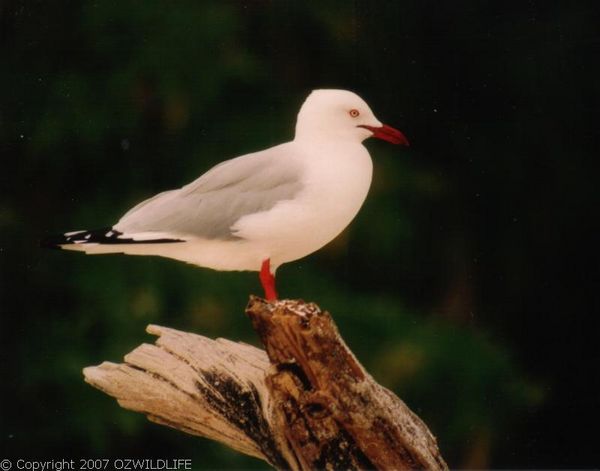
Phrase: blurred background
x=467 y=284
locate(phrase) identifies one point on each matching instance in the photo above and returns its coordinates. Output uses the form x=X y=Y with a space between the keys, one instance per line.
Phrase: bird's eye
x=354 y=113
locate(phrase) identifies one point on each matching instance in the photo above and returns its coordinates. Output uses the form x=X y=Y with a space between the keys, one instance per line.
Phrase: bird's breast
x=334 y=187
x=337 y=184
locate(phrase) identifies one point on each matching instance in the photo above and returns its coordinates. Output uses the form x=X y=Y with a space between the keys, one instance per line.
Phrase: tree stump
x=305 y=403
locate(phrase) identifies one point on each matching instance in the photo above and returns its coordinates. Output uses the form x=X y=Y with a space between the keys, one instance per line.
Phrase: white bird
x=260 y=210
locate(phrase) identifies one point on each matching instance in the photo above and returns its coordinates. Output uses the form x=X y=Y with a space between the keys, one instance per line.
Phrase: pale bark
x=305 y=403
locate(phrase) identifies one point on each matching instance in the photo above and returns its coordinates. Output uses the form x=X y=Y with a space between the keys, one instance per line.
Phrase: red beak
x=387 y=133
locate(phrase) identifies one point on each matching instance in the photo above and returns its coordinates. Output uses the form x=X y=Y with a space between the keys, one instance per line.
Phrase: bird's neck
x=315 y=148
x=325 y=137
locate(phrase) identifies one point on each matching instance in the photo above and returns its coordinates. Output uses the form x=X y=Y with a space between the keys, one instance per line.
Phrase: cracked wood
x=305 y=403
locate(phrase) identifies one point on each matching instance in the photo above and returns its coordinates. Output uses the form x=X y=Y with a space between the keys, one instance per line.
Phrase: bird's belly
x=309 y=231
x=296 y=228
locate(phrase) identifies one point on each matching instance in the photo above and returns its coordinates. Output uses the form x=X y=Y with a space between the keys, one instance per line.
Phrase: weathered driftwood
x=305 y=403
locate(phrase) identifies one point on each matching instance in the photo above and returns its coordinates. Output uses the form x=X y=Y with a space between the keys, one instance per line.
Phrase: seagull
x=260 y=210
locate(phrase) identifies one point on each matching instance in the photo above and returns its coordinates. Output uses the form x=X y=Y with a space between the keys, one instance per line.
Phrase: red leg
x=268 y=280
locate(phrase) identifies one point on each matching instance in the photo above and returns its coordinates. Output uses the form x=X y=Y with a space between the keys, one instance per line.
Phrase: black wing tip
x=106 y=236
x=70 y=238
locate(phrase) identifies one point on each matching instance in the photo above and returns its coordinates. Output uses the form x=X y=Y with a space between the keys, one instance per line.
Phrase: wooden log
x=305 y=403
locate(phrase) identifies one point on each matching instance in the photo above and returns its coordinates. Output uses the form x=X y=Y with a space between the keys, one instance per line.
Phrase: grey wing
x=209 y=206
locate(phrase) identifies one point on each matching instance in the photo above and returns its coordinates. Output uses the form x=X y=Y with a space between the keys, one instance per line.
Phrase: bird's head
x=340 y=114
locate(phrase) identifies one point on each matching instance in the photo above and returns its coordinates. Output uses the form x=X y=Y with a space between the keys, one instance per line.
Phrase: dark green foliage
x=462 y=285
